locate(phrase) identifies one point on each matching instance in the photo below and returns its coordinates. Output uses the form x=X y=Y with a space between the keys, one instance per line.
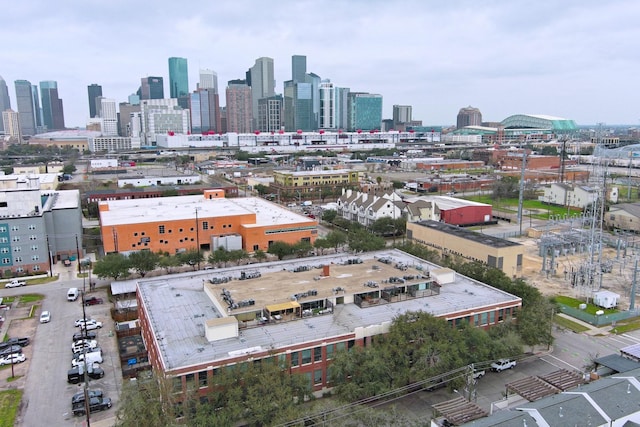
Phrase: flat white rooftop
x=179 y=308
x=136 y=211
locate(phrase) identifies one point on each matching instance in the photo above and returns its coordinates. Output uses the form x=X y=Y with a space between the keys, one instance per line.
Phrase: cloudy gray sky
x=577 y=59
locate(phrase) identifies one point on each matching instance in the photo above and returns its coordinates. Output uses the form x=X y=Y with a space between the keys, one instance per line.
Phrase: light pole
x=198 y=236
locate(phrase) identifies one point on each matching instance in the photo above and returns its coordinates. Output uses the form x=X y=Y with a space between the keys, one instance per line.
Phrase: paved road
x=571 y=351
x=47 y=395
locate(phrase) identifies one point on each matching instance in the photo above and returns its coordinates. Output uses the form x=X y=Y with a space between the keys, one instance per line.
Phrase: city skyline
x=574 y=60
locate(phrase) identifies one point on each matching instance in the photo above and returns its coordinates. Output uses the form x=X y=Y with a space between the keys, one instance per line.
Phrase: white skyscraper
x=208 y=80
x=109 y=116
x=327 y=119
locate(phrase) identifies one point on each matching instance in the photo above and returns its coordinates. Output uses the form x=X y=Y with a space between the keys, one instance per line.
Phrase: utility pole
x=198 y=236
x=632 y=304
x=78 y=254
x=521 y=193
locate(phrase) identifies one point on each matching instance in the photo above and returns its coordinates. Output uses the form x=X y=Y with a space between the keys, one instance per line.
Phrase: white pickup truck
x=502 y=365
x=15 y=283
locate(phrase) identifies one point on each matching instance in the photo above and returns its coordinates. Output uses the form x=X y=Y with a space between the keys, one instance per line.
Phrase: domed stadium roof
x=539 y=121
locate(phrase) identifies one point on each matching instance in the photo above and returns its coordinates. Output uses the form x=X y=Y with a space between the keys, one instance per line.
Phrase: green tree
x=257 y=394
x=260 y=255
x=219 y=256
x=397 y=184
x=68 y=169
x=144 y=261
x=329 y=215
x=168 y=261
x=549 y=151
x=280 y=249
x=261 y=189
x=506 y=188
x=362 y=241
x=302 y=248
x=321 y=244
x=385 y=226
x=336 y=239
x=238 y=255
x=193 y=257
x=113 y=265
x=243 y=155
x=147 y=402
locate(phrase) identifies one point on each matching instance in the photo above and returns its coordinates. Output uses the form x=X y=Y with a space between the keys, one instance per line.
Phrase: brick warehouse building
x=176 y=224
x=301 y=311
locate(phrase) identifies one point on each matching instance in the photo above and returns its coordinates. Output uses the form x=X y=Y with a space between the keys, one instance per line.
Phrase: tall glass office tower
x=365 y=111
x=178 y=77
x=94 y=91
x=5 y=101
x=26 y=108
x=52 y=109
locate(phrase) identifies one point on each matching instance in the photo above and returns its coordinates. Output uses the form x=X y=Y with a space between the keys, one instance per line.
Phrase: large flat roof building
x=499 y=253
x=303 y=311
x=176 y=224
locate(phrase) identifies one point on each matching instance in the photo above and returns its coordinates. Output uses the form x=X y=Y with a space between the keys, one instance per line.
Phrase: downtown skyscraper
x=94 y=91
x=151 y=88
x=261 y=79
x=27 y=109
x=179 y=81
x=204 y=104
x=52 y=108
x=239 y=115
x=5 y=101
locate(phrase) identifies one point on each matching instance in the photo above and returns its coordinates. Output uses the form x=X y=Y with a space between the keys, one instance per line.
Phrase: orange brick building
x=176 y=224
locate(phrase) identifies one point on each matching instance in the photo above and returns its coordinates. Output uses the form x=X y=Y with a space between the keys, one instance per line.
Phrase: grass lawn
x=41 y=280
x=591 y=308
x=511 y=205
x=30 y=298
x=9 y=402
x=626 y=326
x=569 y=324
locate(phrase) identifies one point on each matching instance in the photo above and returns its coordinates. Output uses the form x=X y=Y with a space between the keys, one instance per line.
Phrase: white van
x=72 y=294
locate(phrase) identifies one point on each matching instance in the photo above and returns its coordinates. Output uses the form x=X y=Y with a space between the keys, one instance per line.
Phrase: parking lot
x=43 y=376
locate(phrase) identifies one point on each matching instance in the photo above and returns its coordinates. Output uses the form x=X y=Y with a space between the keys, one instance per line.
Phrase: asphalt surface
x=47 y=394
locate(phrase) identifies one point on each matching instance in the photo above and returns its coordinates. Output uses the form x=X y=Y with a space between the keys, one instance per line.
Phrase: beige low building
x=451 y=240
x=625 y=216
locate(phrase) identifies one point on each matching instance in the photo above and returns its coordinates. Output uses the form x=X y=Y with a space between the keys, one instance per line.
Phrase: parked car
x=95 y=404
x=84 y=335
x=10 y=350
x=45 y=317
x=502 y=365
x=74 y=375
x=93 y=357
x=82 y=345
x=79 y=397
x=84 y=320
x=12 y=358
x=89 y=326
x=478 y=374
x=15 y=283
x=66 y=263
x=93 y=301
x=22 y=342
